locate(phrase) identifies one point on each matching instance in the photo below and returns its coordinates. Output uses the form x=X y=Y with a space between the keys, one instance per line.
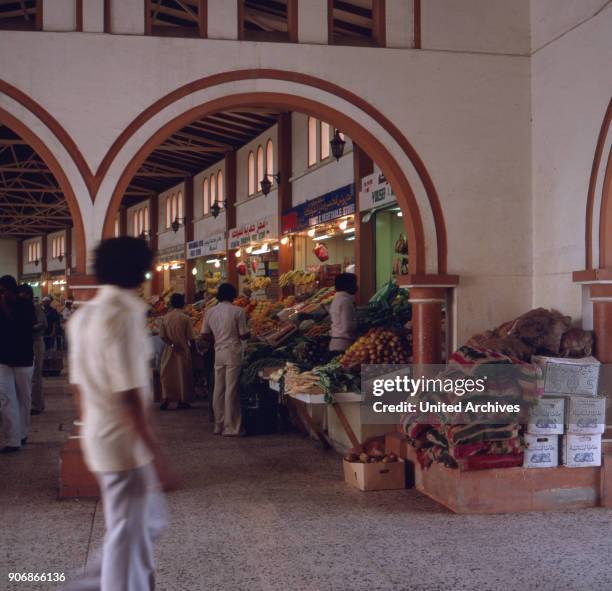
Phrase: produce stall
x=209 y=263
x=290 y=346
x=170 y=264
x=255 y=247
x=321 y=234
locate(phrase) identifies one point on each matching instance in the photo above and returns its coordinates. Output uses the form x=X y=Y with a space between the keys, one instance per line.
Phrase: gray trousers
x=135 y=515
x=15 y=403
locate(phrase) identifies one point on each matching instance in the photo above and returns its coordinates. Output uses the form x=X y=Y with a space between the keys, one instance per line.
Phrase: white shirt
x=110 y=353
x=227 y=323
x=343 y=317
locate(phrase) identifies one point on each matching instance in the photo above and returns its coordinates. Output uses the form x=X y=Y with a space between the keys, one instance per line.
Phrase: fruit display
x=262 y=325
x=321 y=328
x=261 y=309
x=288 y=301
x=296 y=277
x=375 y=456
x=278 y=334
x=378 y=345
x=257 y=283
x=212 y=281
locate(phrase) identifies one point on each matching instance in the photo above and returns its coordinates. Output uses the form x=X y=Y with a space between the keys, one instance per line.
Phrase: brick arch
x=601 y=234
x=62 y=179
x=376 y=150
x=209 y=82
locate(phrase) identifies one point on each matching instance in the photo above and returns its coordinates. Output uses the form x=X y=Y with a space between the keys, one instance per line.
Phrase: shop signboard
x=214 y=244
x=172 y=253
x=375 y=192
x=259 y=231
x=320 y=210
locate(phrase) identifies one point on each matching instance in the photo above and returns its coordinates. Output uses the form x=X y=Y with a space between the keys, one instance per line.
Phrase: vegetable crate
x=375 y=476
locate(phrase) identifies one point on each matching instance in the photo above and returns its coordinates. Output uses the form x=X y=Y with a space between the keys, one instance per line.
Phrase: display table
x=509 y=490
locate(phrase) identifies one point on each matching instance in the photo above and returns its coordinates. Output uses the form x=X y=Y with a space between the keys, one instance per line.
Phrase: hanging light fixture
x=176 y=224
x=194 y=271
x=343 y=225
x=238 y=253
x=312 y=232
x=337 y=145
x=217 y=264
x=216 y=207
x=285 y=240
x=266 y=184
x=249 y=249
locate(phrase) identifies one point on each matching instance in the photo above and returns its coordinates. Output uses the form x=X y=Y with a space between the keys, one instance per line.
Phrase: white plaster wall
x=54 y=264
x=328 y=175
x=223 y=19
x=496 y=26
x=166 y=236
x=466 y=115
x=93 y=16
x=552 y=18
x=31 y=267
x=135 y=208
x=205 y=226
x=8 y=257
x=59 y=15
x=572 y=85
x=127 y=17
x=312 y=21
x=399 y=17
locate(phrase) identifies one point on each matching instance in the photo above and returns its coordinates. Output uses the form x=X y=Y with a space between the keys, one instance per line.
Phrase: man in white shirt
x=109 y=371
x=342 y=313
x=226 y=324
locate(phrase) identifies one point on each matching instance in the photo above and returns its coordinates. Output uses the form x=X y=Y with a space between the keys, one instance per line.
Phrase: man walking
x=17 y=320
x=109 y=371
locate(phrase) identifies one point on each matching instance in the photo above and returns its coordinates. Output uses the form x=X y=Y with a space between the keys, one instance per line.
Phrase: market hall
x=453 y=159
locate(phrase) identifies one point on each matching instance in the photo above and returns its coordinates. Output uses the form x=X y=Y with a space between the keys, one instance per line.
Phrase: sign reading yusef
x=212 y=245
x=264 y=229
x=375 y=191
x=324 y=208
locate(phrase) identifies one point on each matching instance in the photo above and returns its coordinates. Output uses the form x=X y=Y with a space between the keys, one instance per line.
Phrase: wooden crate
x=511 y=490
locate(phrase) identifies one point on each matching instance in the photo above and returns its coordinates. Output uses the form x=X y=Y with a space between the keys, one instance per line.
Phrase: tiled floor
x=272 y=513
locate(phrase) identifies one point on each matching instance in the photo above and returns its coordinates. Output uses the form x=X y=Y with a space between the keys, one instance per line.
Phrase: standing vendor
x=226 y=324
x=342 y=313
x=176 y=369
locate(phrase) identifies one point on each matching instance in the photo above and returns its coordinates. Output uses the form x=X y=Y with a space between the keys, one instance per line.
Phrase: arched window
x=324 y=140
x=116 y=227
x=251 y=173
x=260 y=167
x=220 y=188
x=179 y=200
x=205 y=197
x=146 y=218
x=135 y=224
x=213 y=189
x=168 y=211
x=312 y=141
x=270 y=160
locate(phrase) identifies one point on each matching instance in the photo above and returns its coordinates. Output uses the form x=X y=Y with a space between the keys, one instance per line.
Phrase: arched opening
x=377 y=151
x=38 y=204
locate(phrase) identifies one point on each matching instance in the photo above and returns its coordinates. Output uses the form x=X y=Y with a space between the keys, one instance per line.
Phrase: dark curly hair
x=226 y=292
x=122 y=261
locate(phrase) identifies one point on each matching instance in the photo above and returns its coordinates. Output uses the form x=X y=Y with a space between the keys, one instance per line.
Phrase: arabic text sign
x=212 y=245
x=264 y=229
x=320 y=210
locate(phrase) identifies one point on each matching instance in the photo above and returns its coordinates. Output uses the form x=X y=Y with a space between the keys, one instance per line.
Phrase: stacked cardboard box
x=570 y=409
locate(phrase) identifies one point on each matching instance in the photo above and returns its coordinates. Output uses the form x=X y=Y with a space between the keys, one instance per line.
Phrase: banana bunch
x=296 y=277
x=260 y=283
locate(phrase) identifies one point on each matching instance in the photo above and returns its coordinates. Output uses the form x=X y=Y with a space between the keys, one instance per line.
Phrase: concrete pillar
x=93 y=16
x=426 y=324
x=313 y=22
x=127 y=17
x=223 y=19
x=399 y=16
x=59 y=15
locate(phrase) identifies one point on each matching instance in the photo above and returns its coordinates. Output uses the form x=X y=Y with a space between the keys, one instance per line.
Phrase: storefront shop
x=170 y=263
x=209 y=264
x=255 y=247
x=321 y=233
